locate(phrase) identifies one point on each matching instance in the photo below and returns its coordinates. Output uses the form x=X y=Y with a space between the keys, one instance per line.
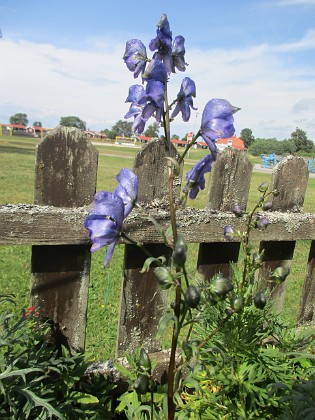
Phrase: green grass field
x=17 y=158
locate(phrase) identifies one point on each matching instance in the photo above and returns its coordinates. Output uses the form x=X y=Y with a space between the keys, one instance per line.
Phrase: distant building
x=145 y=139
x=95 y=134
x=233 y=142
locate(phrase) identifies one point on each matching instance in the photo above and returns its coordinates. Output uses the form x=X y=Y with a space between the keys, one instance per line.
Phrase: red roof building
x=233 y=142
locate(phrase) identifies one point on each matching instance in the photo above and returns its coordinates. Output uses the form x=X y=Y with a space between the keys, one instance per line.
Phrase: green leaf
x=147 y=264
x=83 y=398
x=164 y=321
x=40 y=402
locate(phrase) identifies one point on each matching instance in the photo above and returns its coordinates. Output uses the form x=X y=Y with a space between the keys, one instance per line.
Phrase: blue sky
x=63 y=57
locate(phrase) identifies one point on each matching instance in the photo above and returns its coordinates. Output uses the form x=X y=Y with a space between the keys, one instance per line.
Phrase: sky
x=64 y=57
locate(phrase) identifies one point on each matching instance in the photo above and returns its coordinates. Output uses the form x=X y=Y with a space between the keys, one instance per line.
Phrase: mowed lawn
x=17 y=158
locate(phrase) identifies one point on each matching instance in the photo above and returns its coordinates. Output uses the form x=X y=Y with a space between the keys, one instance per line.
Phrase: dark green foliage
x=19 y=118
x=38 y=380
x=267 y=146
x=300 y=140
x=152 y=130
x=73 y=121
x=247 y=137
x=253 y=351
x=123 y=128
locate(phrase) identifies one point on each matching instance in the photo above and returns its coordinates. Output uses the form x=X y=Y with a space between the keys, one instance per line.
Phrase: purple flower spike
x=135 y=56
x=217 y=121
x=127 y=189
x=178 y=54
x=196 y=176
x=228 y=233
x=104 y=222
x=185 y=99
x=163 y=43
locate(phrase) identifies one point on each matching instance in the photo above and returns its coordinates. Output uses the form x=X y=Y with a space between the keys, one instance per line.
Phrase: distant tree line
x=297 y=143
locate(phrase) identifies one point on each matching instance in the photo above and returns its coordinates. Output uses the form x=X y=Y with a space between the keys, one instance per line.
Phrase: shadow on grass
x=19 y=150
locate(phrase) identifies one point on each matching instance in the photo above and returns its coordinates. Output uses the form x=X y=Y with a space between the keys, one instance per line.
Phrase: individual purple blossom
x=139 y=122
x=136 y=92
x=155 y=70
x=153 y=100
x=228 y=232
x=105 y=221
x=217 y=122
x=178 y=54
x=196 y=176
x=163 y=43
x=127 y=189
x=238 y=210
x=184 y=99
x=261 y=222
x=135 y=56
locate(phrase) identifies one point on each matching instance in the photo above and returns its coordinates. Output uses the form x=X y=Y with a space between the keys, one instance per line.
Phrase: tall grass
x=17 y=158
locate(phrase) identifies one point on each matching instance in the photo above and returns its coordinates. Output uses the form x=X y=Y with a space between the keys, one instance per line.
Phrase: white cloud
x=293 y=2
x=48 y=82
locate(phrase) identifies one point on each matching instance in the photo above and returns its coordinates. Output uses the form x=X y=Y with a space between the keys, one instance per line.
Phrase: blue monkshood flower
x=105 y=221
x=135 y=56
x=139 y=122
x=261 y=222
x=228 y=232
x=136 y=92
x=163 y=43
x=153 y=100
x=217 y=122
x=127 y=189
x=155 y=70
x=184 y=99
x=178 y=54
x=196 y=176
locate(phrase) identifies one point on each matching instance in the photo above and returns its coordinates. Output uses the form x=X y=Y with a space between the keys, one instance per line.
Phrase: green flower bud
x=238 y=303
x=219 y=287
x=260 y=300
x=192 y=296
x=144 y=361
x=182 y=306
x=141 y=384
x=263 y=187
x=180 y=251
x=280 y=274
x=164 y=277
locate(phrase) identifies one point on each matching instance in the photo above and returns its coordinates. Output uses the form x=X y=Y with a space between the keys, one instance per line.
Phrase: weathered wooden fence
x=66 y=167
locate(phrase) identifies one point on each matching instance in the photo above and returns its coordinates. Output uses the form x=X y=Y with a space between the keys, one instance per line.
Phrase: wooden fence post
x=307 y=303
x=142 y=301
x=289 y=178
x=229 y=185
x=66 y=168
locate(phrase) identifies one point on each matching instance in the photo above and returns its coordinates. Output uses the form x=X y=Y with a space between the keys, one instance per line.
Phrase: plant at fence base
x=218 y=308
x=36 y=381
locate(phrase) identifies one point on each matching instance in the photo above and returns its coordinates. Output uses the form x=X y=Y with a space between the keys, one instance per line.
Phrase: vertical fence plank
x=142 y=301
x=66 y=168
x=289 y=178
x=307 y=303
x=229 y=185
